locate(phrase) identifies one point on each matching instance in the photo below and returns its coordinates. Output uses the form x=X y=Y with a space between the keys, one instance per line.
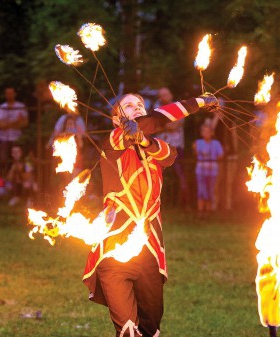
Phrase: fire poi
x=263 y=94
x=64 y=95
x=127 y=258
x=237 y=71
x=68 y=55
x=202 y=59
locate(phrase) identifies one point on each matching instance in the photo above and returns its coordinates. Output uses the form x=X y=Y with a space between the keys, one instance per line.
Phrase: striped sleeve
x=157 y=119
x=115 y=144
x=117 y=139
x=160 y=150
x=179 y=110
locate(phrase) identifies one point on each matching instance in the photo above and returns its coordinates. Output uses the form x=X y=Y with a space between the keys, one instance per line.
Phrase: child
x=208 y=151
x=131 y=166
x=20 y=178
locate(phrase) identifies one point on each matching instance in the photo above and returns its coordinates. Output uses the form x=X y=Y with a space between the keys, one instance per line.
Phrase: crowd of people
x=16 y=169
x=205 y=168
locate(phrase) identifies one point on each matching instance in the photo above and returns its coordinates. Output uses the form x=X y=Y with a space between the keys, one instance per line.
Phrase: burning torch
x=265 y=181
x=202 y=59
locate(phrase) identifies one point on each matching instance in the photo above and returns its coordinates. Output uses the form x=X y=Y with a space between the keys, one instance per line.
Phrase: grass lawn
x=210 y=291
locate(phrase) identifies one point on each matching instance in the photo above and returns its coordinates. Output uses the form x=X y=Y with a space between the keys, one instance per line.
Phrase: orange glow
x=68 y=223
x=266 y=182
x=64 y=95
x=65 y=147
x=264 y=87
x=68 y=55
x=74 y=191
x=134 y=244
x=91 y=232
x=237 y=71
x=76 y=225
x=92 y=36
x=204 y=53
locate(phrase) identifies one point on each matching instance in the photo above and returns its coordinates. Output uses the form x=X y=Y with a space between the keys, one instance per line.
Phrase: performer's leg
x=117 y=280
x=149 y=295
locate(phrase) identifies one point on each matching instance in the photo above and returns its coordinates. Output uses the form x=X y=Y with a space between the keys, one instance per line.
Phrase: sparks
x=92 y=36
x=266 y=182
x=264 y=87
x=64 y=95
x=204 y=53
x=65 y=147
x=68 y=55
x=237 y=71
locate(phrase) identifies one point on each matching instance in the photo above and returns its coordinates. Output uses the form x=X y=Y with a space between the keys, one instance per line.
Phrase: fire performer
x=131 y=283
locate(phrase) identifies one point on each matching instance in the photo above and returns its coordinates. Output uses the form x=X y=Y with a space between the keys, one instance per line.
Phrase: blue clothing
x=207 y=156
x=206 y=187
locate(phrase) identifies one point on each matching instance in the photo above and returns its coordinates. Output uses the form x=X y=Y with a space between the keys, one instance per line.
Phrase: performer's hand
x=131 y=130
x=210 y=101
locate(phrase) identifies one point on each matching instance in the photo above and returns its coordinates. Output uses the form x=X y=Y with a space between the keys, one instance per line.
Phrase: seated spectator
x=20 y=179
x=13 y=117
x=208 y=151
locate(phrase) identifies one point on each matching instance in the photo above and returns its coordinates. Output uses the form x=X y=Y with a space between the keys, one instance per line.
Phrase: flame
x=78 y=226
x=237 y=71
x=204 y=52
x=65 y=147
x=72 y=224
x=68 y=55
x=266 y=182
x=92 y=36
x=134 y=244
x=64 y=95
x=91 y=232
x=75 y=224
x=259 y=180
x=263 y=95
x=74 y=191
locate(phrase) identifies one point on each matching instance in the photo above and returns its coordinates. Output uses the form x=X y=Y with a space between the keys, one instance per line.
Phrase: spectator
x=208 y=151
x=13 y=117
x=20 y=179
x=174 y=135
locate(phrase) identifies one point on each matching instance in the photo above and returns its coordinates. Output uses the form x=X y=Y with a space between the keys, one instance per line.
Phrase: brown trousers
x=134 y=293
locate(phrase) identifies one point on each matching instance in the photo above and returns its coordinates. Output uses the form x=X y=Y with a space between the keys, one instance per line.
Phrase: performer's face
x=133 y=107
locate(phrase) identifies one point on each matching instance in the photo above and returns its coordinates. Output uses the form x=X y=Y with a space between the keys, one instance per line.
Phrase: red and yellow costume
x=132 y=182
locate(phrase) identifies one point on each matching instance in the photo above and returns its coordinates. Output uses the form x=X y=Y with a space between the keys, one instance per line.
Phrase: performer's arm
x=116 y=144
x=161 y=116
x=161 y=151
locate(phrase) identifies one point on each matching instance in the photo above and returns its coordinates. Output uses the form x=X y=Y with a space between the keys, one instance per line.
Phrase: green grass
x=210 y=291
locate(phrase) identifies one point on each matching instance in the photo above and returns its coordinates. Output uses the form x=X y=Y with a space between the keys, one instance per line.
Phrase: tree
x=149 y=42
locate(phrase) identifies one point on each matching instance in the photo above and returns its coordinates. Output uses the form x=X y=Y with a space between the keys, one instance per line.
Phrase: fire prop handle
x=272 y=331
